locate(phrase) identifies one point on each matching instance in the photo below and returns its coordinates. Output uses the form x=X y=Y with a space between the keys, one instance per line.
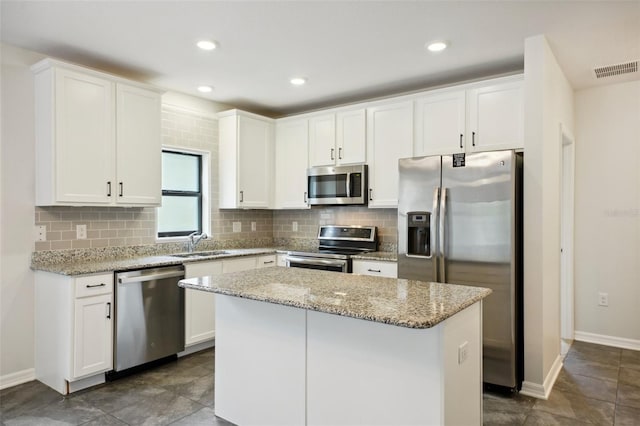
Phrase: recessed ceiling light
x=437 y=46
x=205 y=89
x=298 y=81
x=207 y=44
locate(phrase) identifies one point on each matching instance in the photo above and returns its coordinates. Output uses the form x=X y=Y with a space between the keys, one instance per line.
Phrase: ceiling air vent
x=617 y=69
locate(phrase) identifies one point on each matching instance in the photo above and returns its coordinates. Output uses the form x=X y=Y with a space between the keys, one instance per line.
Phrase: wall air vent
x=617 y=69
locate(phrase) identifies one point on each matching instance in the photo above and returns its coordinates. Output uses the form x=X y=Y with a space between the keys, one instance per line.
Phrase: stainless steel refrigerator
x=460 y=222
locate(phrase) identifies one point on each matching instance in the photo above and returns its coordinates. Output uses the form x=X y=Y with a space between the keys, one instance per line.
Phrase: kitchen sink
x=197 y=254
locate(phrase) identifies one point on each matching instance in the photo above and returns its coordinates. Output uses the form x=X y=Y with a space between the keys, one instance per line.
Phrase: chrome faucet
x=194 y=239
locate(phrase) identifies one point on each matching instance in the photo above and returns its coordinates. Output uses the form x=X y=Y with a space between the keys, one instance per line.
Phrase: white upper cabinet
x=351 y=136
x=322 y=140
x=291 y=164
x=245 y=160
x=337 y=138
x=389 y=138
x=496 y=116
x=138 y=149
x=487 y=116
x=440 y=123
x=89 y=127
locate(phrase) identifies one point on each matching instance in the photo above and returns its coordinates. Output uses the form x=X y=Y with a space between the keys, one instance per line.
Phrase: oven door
x=336 y=265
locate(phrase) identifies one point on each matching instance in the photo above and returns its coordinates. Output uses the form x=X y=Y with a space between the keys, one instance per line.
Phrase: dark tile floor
x=598 y=385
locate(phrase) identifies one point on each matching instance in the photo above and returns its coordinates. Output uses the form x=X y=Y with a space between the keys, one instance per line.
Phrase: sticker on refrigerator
x=458 y=160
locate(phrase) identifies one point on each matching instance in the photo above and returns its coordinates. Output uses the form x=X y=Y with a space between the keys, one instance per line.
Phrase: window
x=184 y=204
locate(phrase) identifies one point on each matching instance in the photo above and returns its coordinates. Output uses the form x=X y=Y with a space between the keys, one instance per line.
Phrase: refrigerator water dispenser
x=419 y=234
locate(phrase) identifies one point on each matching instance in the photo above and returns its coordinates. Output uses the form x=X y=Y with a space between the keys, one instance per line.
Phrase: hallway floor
x=598 y=385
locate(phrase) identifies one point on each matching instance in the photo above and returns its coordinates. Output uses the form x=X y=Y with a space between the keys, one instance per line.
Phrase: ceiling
x=348 y=50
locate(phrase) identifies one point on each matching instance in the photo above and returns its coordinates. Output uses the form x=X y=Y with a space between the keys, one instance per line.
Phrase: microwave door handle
x=348 y=185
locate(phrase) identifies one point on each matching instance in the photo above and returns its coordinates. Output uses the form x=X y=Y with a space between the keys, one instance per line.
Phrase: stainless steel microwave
x=337 y=185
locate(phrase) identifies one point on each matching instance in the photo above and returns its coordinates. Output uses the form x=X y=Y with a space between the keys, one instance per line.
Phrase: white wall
x=548 y=103
x=18 y=195
x=607 y=206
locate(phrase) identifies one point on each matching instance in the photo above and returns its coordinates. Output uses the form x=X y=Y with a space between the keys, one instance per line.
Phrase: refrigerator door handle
x=432 y=226
x=441 y=240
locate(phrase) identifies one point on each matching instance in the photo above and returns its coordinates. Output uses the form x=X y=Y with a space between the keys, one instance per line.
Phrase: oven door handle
x=315 y=261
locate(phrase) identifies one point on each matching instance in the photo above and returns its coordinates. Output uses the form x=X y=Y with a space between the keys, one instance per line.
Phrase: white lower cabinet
x=73 y=330
x=375 y=268
x=200 y=318
x=199 y=306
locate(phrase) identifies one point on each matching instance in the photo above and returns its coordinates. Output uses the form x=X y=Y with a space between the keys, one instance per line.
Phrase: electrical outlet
x=237 y=226
x=462 y=352
x=253 y=226
x=603 y=299
x=81 y=232
x=41 y=233
x=294 y=226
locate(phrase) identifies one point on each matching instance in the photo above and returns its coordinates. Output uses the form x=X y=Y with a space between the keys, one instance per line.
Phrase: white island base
x=281 y=365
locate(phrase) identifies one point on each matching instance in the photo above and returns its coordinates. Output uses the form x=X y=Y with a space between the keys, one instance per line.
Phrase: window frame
x=203 y=195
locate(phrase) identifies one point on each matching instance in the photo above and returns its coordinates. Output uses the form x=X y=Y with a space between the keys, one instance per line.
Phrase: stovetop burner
x=342 y=242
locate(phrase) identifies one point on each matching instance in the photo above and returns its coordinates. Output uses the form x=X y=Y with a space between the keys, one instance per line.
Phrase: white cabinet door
x=92 y=342
x=351 y=131
x=496 y=117
x=322 y=140
x=440 y=123
x=291 y=164
x=83 y=161
x=389 y=138
x=245 y=160
x=138 y=146
x=199 y=306
x=375 y=268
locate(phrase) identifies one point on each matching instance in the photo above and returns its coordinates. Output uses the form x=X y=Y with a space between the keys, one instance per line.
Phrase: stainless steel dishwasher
x=149 y=316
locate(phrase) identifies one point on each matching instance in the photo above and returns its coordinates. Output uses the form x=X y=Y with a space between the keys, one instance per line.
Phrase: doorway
x=567 y=164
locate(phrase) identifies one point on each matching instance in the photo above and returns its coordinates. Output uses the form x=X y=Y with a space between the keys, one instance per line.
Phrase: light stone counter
x=82 y=266
x=400 y=302
x=386 y=256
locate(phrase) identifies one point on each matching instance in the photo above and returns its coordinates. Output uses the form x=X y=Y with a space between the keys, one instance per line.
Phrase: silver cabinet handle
x=95 y=285
x=332 y=157
x=443 y=215
x=305 y=197
x=473 y=138
x=374 y=270
x=370 y=194
x=121 y=189
x=266 y=262
x=108 y=310
x=241 y=196
x=460 y=140
x=109 y=189
x=340 y=153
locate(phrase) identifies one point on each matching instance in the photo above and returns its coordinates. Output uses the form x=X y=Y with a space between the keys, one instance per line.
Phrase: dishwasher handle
x=150 y=277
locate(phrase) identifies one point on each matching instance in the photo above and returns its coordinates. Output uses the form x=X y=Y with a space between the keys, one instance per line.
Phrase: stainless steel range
x=336 y=245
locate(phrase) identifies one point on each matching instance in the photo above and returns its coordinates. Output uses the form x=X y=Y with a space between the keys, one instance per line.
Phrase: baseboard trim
x=197 y=347
x=17 y=378
x=602 y=339
x=542 y=391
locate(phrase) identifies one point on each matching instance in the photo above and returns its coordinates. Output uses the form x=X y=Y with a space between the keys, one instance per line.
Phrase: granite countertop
x=399 y=302
x=386 y=256
x=82 y=266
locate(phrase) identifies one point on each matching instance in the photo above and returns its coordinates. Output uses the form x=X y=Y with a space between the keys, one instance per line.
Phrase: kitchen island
x=298 y=346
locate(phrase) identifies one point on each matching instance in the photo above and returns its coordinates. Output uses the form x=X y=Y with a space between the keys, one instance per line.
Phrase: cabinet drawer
x=380 y=269
x=266 y=261
x=94 y=285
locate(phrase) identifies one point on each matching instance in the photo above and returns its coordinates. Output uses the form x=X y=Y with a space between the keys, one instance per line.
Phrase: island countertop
x=399 y=302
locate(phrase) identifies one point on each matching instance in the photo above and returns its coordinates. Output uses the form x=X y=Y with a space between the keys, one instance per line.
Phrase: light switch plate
x=294 y=226
x=253 y=226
